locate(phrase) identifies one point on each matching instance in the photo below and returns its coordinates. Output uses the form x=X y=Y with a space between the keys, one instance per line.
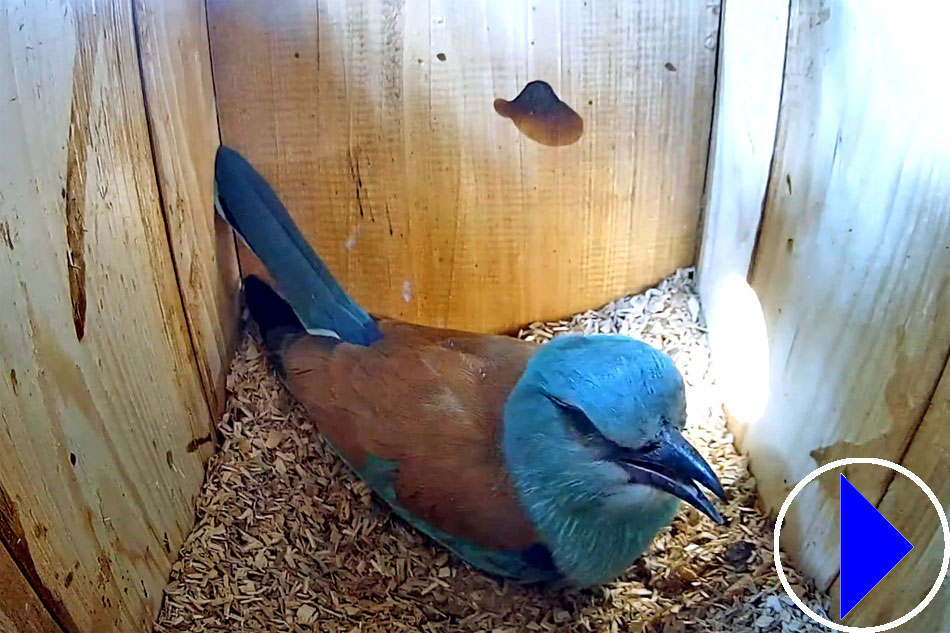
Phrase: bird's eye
x=578 y=420
x=580 y=424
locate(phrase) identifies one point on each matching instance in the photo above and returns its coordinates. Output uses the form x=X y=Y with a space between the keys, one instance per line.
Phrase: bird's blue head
x=593 y=440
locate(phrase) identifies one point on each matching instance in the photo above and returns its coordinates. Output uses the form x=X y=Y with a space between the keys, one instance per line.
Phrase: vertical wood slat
x=881 y=168
x=852 y=265
x=21 y=610
x=374 y=121
x=179 y=93
x=104 y=424
x=912 y=513
x=748 y=95
x=751 y=60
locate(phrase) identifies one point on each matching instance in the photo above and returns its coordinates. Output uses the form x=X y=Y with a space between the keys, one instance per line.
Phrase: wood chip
x=287 y=540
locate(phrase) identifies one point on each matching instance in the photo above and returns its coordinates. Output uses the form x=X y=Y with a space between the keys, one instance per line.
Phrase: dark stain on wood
x=440 y=57
x=197 y=443
x=788 y=183
x=14 y=382
x=169 y=460
x=69 y=580
x=5 y=235
x=817 y=19
x=13 y=537
x=104 y=574
x=540 y=115
x=354 y=162
x=83 y=68
x=670 y=67
x=863 y=476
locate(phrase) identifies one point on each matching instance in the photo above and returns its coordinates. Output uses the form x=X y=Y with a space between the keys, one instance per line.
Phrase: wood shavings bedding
x=288 y=539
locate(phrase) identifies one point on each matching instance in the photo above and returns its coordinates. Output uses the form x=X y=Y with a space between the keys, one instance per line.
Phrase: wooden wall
x=374 y=120
x=850 y=259
x=827 y=189
x=118 y=311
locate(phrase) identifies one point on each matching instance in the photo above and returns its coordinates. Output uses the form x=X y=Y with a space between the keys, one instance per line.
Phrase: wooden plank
x=913 y=514
x=176 y=68
x=853 y=263
x=102 y=414
x=375 y=122
x=748 y=91
x=20 y=609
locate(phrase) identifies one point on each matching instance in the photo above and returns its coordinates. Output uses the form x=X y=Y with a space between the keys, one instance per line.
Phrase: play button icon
x=870 y=547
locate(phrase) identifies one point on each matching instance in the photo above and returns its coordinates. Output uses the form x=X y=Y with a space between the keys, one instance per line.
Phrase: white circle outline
x=946 y=545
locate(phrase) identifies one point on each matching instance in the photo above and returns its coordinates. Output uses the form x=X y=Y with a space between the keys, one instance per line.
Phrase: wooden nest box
x=470 y=165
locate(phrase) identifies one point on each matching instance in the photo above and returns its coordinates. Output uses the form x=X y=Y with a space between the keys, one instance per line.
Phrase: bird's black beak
x=672 y=464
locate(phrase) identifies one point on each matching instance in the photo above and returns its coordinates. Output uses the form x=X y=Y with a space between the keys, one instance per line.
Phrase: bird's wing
x=419 y=415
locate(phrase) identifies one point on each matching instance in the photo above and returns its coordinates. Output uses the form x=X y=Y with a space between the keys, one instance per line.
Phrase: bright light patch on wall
x=741 y=349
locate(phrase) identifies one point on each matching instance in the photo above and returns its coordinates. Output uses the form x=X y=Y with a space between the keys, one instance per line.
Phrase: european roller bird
x=557 y=463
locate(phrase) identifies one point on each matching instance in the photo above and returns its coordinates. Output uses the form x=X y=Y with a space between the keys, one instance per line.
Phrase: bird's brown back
x=432 y=401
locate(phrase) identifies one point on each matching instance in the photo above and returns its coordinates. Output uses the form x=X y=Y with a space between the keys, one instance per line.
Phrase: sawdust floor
x=288 y=540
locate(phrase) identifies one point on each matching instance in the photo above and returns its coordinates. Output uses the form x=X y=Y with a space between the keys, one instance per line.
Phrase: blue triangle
x=870 y=547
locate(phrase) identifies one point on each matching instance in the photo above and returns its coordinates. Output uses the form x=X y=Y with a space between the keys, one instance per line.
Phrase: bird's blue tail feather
x=254 y=211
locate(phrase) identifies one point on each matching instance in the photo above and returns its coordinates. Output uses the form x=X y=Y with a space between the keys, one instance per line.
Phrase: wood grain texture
x=748 y=91
x=853 y=261
x=101 y=404
x=179 y=92
x=913 y=514
x=20 y=608
x=374 y=120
